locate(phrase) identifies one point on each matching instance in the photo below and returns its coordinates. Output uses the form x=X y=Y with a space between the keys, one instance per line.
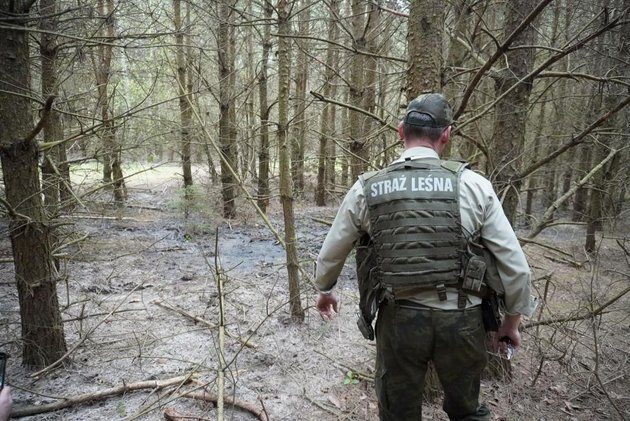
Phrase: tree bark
x=286 y=193
x=53 y=130
x=357 y=90
x=185 y=100
x=326 y=122
x=250 y=144
x=511 y=112
x=227 y=129
x=43 y=340
x=112 y=159
x=424 y=44
x=298 y=134
x=263 y=151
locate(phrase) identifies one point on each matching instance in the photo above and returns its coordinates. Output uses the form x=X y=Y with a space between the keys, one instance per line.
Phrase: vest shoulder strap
x=455 y=166
x=366 y=176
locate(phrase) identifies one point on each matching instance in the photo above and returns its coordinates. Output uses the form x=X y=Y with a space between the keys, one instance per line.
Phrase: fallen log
x=100 y=395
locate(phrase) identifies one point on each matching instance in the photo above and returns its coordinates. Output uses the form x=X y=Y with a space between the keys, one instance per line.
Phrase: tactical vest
x=413 y=208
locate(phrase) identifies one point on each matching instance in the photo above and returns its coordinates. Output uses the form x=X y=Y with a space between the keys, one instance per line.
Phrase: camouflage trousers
x=407 y=338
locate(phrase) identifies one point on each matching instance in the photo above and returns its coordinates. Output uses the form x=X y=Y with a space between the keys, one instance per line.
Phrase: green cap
x=429 y=110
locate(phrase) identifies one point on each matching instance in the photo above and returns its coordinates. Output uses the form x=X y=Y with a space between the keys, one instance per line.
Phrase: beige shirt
x=480 y=210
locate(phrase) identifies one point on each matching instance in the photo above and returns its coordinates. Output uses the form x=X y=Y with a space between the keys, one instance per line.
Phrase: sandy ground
x=149 y=253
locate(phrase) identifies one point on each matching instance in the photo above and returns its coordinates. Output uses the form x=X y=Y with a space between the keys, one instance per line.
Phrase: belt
x=411 y=304
x=417 y=306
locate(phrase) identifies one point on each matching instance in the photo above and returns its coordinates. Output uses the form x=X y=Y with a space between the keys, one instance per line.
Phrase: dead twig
x=322 y=221
x=544 y=220
x=212 y=398
x=328 y=408
x=198 y=319
x=170 y=414
x=566 y=260
x=100 y=395
x=590 y=314
x=221 y=371
x=526 y=241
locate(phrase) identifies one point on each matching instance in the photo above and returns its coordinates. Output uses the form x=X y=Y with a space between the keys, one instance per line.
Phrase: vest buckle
x=441 y=290
x=462 y=297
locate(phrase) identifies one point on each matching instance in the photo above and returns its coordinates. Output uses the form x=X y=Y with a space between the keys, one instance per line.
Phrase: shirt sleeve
x=499 y=237
x=350 y=222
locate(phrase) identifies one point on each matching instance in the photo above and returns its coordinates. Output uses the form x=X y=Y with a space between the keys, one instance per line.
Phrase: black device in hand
x=3 y=364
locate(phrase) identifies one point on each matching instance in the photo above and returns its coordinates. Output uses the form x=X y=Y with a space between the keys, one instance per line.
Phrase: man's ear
x=401 y=132
x=446 y=135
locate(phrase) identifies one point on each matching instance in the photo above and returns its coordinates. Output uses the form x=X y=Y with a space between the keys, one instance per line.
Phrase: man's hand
x=509 y=329
x=327 y=305
x=5 y=403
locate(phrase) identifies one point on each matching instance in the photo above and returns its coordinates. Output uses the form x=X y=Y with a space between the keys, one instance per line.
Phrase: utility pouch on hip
x=474 y=274
x=366 y=328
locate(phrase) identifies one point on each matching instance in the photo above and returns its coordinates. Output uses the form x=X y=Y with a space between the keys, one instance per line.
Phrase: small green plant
x=351 y=378
x=121 y=409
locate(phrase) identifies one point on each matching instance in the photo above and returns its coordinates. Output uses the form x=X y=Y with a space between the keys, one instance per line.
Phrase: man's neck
x=420 y=143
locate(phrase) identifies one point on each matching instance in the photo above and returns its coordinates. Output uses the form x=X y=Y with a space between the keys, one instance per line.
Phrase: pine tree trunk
x=263 y=151
x=511 y=115
x=424 y=44
x=580 y=167
x=357 y=90
x=331 y=149
x=345 y=164
x=53 y=131
x=43 y=340
x=227 y=131
x=185 y=100
x=537 y=143
x=323 y=163
x=298 y=133
x=250 y=144
x=112 y=165
x=286 y=193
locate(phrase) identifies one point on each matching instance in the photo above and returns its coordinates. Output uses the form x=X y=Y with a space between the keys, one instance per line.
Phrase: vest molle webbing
x=415 y=222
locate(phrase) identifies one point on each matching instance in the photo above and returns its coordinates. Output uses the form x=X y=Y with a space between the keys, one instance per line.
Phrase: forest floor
x=130 y=261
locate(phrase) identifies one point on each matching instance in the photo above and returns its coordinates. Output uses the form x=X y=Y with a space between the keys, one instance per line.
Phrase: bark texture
x=43 y=339
x=511 y=111
x=52 y=180
x=286 y=188
x=112 y=154
x=324 y=168
x=227 y=127
x=424 y=44
x=298 y=134
x=185 y=100
x=263 y=151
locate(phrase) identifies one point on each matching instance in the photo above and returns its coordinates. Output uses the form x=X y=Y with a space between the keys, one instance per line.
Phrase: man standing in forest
x=421 y=214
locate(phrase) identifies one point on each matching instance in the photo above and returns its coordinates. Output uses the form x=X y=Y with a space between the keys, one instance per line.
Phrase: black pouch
x=490 y=314
x=366 y=328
